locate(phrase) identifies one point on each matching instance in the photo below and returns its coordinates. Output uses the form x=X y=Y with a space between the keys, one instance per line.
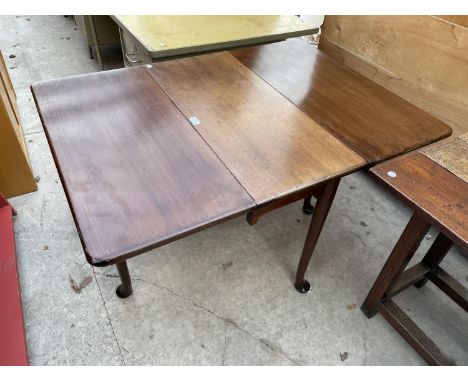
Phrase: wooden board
x=452 y=155
x=163 y=36
x=430 y=189
x=136 y=174
x=13 y=350
x=13 y=104
x=16 y=177
x=423 y=59
x=8 y=86
x=270 y=146
x=370 y=119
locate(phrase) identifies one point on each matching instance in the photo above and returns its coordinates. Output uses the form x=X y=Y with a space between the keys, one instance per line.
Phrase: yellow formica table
x=147 y=39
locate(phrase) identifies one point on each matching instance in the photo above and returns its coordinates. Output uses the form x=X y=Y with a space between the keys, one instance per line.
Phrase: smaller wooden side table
x=439 y=198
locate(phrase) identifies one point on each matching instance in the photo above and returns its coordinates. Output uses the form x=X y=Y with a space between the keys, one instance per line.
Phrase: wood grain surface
x=163 y=36
x=269 y=145
x=461 y=20
x=135 y=172
x=452 y=155
x=370 y=119
x=16 y=177
x=431 y=190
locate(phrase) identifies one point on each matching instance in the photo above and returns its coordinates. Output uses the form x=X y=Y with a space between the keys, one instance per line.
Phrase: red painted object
x=12 y=340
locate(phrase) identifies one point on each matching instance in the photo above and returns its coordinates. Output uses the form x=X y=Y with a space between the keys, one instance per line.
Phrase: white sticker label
x=194 y=121
x=391 y=174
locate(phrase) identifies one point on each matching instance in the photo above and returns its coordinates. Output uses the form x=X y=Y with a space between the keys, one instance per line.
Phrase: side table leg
x=435 y=255
x=396 y=263
x=124 y=289
x=322 y=207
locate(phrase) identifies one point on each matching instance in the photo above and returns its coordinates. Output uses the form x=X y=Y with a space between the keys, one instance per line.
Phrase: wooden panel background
x=460 y=20
x=423 y=59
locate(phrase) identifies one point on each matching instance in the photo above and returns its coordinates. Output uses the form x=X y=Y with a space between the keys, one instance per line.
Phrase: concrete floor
x=220 y=297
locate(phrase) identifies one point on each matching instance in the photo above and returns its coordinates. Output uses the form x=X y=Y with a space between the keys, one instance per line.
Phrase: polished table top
x=163 y=36
x=371 y=120
x=137 y=174
x=134 y=170
x=269 y=145
x=429 y=187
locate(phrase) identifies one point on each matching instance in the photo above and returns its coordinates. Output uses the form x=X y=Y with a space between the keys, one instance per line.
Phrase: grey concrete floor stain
x=223 y=296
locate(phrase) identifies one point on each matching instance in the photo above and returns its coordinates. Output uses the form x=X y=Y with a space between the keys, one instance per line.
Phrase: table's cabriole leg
x=435 y=255
x=308 y=208
x=124 y=289
x=396 y=263
x=321 y=209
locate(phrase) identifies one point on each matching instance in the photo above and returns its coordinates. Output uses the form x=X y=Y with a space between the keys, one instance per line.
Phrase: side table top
x=430 y=189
